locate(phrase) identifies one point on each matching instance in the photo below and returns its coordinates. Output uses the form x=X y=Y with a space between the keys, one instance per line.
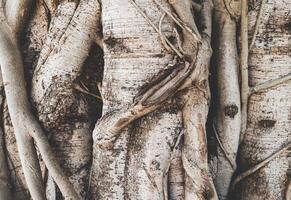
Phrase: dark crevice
x=231 y=110
x=287 y=26
x=116 y=44
x=267 y=123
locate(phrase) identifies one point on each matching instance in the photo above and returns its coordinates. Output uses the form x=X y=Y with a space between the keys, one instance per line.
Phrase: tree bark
x=63 y=111
x=268 y=110
x=227 y=124
x=133 y=55
x=149 y=140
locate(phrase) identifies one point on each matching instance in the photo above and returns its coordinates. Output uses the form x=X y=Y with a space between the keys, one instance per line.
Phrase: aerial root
x=260 y=165
x=270 y=84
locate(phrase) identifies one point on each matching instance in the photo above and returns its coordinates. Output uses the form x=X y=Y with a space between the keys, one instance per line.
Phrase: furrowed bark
x=64 y=112
x=51 y=5
x=228 y=118
x=269 y=122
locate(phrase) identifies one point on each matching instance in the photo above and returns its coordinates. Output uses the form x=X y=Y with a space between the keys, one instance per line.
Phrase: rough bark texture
x=64 y=112
x=133 y=54
x=31 y=45
x=150 y=142
x=11 y=27
x=5 y=184
x=268 y=127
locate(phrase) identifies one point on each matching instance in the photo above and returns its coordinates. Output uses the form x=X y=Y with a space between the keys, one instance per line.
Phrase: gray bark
x=63 y=111
x=132 y=55
x=150 y=142
x=268 y=127
x=227 y=124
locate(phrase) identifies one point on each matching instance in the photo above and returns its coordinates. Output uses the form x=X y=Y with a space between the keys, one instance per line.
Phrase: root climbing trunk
x=268 y=128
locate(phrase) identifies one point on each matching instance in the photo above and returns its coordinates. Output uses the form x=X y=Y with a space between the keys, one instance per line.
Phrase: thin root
x=222 y=147
x=80 y=89
x=270 y=83
x=259 y=165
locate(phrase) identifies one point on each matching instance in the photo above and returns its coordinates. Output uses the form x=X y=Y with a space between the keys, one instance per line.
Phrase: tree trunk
x=63 y=112
x=138 y=71
x=268 y=128
x=132 y=54
x=227 y=124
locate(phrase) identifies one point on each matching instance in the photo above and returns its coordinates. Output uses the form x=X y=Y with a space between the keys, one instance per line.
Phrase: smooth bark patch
x=231 y=110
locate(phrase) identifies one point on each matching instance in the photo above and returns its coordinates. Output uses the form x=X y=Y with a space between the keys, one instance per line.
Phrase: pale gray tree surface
x=145 y=99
